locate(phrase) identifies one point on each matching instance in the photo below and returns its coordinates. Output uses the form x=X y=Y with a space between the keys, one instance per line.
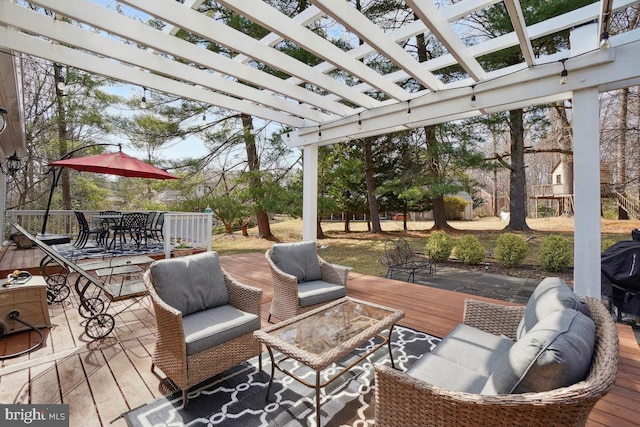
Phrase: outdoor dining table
x=111 y=220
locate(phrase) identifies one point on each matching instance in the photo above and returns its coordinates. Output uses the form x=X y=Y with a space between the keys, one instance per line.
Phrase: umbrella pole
x=54 y=184
x=56 y=178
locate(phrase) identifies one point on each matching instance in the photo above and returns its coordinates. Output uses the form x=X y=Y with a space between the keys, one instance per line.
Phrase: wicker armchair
x=191 y=348
x=404 y=401
x=292 y=296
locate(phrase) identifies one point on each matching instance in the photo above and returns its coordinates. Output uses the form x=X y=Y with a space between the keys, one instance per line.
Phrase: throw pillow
x=555 y=353
x=551 y=295
x=192 y=283
x=299 y=259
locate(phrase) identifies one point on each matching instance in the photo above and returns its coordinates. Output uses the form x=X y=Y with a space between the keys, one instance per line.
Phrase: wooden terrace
x=102 y=379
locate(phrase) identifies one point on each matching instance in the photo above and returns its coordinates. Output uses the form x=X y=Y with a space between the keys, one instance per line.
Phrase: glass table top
x=323 y=331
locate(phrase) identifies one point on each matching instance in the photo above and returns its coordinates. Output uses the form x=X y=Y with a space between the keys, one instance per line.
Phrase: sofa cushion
x=555 y=353
x=552 y=294
x=190 y=284
x=319 y=291
x=473 y=349
x=299 y=259
x=441 y=372
x=209 y=328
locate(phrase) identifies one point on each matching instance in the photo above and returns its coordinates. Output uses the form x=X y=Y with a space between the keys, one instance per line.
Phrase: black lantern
x=3 y=119
x=13 y=164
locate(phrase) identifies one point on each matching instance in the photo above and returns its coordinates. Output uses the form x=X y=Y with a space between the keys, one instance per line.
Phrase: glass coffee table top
x=323 y=331
x=325 y=335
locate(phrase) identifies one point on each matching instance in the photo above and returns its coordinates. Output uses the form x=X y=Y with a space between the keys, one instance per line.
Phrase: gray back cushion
x=299 y=259
x=555 y=353
x=190 y=284
x=551 y=295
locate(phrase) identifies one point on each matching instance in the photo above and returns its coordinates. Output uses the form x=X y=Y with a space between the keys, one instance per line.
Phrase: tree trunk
x=621 y=150
x=374 y=214
x=319 y=232
x=63 y=147
x=517 y=184
x=262 y=217
x=433 y=170
x=347 y=221
x=440 y=214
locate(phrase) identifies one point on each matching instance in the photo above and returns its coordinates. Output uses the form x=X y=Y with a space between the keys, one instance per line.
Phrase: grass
x=362 y=250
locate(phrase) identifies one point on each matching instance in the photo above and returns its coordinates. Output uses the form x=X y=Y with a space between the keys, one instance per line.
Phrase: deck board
x=101 y=380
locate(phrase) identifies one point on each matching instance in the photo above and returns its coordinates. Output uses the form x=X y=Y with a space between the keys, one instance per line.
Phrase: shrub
x=439 y=245
x=511 y=250
x=454 y=207
x=555 y=253
x=469 y=250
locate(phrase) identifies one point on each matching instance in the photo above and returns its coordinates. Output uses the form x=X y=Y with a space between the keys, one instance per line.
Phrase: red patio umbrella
x=117 y=163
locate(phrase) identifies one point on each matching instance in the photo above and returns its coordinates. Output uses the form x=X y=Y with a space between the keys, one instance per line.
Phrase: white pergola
x=323 y=107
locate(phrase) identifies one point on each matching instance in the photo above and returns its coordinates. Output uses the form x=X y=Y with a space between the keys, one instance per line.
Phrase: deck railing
x=190 y=228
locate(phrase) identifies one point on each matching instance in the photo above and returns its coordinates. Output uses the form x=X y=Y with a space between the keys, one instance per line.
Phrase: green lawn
x=362 y=250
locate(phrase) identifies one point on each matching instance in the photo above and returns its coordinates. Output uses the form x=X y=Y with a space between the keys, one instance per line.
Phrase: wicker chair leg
x=269 y=318
x=185 y=399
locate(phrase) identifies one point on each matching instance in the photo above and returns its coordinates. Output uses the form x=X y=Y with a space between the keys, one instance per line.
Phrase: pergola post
x=586 y=170
x=309 y=192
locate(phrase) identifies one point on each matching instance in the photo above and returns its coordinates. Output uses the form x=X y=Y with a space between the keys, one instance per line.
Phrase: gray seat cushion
x=551 y=295
x=215 y=326
x=555 y=353
x=318 y=291
x=473 y=349
x=441 y=372
x=190 y=284
x=299 y=259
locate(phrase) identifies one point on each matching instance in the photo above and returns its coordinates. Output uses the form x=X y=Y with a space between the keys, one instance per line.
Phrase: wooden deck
x=100 y=380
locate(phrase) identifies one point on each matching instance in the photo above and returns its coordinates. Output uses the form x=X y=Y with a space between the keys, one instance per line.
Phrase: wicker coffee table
x=325 y=335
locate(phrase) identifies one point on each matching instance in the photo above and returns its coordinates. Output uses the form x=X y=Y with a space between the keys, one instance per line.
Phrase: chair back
x=133 y=221
x=392 y=254
x=151 y=216
x=82 y=220
x=159 y=222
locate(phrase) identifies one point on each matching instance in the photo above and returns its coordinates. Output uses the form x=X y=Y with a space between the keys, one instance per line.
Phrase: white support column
x=310 y=192
x=586 y=173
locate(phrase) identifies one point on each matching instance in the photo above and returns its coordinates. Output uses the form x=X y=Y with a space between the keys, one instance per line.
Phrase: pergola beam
x=129 y=29
x=15 y=40
x=275 y=21
x=68 y=34
x=522 y=88
x=433 y=19
x=191 y=21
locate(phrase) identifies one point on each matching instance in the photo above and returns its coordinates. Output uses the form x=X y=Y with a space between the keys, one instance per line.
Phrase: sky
x=189 y=147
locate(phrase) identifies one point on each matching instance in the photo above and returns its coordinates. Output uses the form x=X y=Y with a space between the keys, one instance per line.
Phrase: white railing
x=59 y=222
x=189 y=228
x=631 y=206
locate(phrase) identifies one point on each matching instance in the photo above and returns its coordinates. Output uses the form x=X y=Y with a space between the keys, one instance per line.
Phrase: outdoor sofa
x=544 y=364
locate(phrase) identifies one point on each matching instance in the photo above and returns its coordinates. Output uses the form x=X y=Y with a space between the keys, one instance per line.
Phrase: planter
x=186 y=251
x=175 y=253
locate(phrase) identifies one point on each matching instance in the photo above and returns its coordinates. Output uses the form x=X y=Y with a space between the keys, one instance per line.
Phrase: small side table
x=29 y=300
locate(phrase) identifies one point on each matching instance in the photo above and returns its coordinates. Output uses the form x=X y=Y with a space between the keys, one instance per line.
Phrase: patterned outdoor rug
x=95 y=251
x=237 y=397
